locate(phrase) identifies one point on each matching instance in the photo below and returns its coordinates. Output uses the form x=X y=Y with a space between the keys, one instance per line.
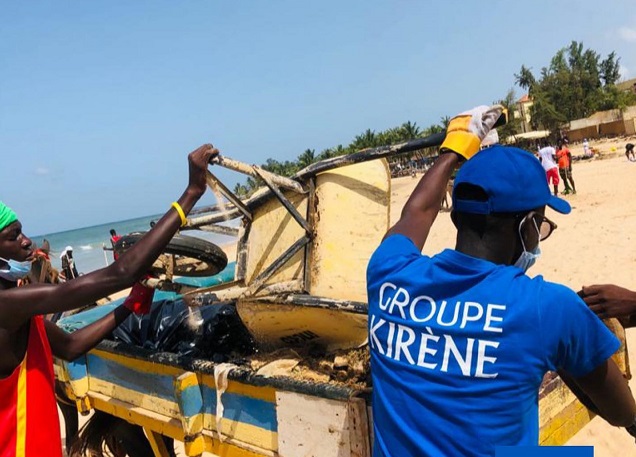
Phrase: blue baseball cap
x=513 y=178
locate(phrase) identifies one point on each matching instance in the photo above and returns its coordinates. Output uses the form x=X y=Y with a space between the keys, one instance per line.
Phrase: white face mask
x=528 y=258
x=15 y=270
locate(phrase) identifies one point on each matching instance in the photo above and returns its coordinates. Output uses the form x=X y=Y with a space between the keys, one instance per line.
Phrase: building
x=522 y=112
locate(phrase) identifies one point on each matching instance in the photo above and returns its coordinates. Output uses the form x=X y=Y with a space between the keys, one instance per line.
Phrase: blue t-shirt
x=459 y=347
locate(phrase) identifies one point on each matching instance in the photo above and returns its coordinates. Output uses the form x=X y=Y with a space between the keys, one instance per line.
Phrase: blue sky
x=101 y=101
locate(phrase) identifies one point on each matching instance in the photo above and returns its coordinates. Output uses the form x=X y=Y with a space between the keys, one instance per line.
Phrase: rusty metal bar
x=315 y=302
x=282 y=181
x=221 y=229
x=370 y=154
x=200 y=297
x=215 y=183
x=311 y=221
x=286 y=203
x=241 y=251
x=276 y=264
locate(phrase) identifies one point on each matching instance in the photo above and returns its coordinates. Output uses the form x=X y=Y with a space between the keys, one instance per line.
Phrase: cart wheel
x=183 y=256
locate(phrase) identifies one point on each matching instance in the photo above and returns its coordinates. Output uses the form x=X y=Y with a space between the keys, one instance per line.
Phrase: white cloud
x=41 y=171
x=628 y=34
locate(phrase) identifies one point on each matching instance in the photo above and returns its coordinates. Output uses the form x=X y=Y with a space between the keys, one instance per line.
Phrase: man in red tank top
x=29 y=424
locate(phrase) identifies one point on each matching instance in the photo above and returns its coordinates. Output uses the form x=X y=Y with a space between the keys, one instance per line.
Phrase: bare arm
x=608 y=390
x=424 y=204
x=19 y=304
x=69 y=346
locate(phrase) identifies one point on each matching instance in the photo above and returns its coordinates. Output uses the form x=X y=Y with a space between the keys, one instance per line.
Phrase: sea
x=88 y=243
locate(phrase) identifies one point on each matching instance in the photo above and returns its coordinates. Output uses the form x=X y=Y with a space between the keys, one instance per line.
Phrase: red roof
x=524 y=99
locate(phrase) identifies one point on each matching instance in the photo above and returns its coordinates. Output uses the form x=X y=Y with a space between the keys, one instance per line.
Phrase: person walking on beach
x=460 y=341
x=114 y=238
x=29 y=424
x=69 y=270
x=586 y=148
x=547 y=155
x=565 y=168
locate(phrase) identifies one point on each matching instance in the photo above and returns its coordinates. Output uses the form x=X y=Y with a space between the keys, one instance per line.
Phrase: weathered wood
x=241 y=250
x=215 y=183
x=213 y=296
x=285 y=202
x=232 y=164
x=317 y=302
x=281 y=260
x=370 y=154
x=221 y=229
x=352 y=205
x=272 y=232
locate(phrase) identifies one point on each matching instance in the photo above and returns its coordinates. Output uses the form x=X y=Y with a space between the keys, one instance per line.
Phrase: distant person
x=114 y=238
x=28 y=411
x=629 y=152
x=547 y=155
x=69 y=270
x=586 y=148
x=565 y=168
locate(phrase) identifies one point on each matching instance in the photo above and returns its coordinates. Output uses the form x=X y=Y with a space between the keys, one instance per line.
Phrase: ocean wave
x=86 y=247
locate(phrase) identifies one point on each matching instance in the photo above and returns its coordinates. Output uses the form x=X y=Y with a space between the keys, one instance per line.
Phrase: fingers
x=490 y=116
x=203 y=155
x=600 y=311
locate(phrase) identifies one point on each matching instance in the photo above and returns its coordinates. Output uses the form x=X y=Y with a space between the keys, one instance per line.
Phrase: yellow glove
x=466 y=130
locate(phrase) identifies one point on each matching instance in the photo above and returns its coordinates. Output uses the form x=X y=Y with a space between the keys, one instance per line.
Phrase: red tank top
x=29 y=424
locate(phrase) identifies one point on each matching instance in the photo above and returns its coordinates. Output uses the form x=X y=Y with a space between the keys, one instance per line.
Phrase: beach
x=591 y=245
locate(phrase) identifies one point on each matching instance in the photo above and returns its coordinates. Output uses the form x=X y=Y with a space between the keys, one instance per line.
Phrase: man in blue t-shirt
x=460 y=341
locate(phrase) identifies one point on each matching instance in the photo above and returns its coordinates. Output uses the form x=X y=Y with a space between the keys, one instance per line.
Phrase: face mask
x=527 y=259
x=15 y=270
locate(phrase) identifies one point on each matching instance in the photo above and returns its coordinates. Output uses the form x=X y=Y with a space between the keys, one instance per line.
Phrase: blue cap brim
x=559 y=205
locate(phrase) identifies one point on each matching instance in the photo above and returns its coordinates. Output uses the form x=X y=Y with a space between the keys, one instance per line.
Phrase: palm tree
x=409 y=130
x=306 y=158
x=525 y=79
x=367 y=140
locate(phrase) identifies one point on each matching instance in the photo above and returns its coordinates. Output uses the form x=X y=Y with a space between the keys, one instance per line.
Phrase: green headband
x=7 y=216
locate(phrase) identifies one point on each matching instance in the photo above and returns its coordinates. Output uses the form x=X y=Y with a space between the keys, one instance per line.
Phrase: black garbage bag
x=210 y=332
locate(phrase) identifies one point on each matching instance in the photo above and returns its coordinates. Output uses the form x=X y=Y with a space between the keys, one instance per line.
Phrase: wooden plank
x=352 y=217
x=155 y=439
x=359 y=428
x=272 y=232
x=311 y=426
x=277 y=324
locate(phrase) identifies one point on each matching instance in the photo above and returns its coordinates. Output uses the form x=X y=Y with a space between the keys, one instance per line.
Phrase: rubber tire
x=184 y=246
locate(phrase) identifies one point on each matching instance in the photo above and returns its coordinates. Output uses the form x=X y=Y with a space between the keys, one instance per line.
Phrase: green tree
x=408 y=131
x=512 y=126
x=306 y=158
x=575 y=84
x=610 y=69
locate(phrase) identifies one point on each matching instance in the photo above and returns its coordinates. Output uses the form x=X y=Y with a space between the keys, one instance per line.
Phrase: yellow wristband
x=182 y=215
